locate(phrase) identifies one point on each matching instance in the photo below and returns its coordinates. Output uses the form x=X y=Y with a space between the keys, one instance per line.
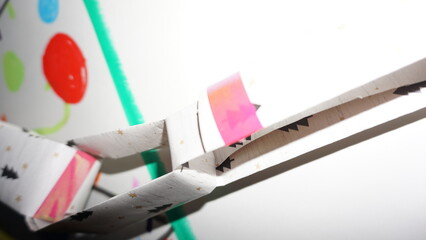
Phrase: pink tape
x=60 y=197
x=234 y=114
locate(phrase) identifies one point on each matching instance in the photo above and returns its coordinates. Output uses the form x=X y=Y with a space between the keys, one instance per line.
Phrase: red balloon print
x=65 y=68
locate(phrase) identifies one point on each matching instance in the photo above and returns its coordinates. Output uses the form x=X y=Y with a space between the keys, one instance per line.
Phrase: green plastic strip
x=155 y=167
x=127 y=100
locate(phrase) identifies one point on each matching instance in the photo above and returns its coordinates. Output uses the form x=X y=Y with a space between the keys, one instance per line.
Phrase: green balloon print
x=13 y=70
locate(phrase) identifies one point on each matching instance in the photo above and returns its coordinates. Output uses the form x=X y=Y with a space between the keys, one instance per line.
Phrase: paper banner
x=161 y=194
x=65 y=189
x=124 y=142
x=197 y=171
x=40 y=178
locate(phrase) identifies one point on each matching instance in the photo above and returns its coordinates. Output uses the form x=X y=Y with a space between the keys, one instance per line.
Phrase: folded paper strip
x=48 y=175
x=225 y=136
x=60 y=197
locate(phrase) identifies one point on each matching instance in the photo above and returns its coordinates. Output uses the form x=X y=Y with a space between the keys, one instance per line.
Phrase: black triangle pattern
x=294 y=126
x=225 y=164
x=185 y=165
x=405 y=90
x=160 y=208
x=9 y=173
x=71 y=143
x=234 y=145
x=81 y=216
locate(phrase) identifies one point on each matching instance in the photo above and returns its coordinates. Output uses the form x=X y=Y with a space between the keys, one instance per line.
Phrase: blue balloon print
x=48 y=10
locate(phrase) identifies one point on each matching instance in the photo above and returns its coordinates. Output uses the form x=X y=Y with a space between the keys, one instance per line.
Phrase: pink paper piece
x=234 y=114
x=60 y=197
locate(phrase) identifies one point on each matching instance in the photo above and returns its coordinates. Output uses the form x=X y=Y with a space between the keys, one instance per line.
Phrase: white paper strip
x=124 y=142
x=408 y=75
x=30 y=167
x=184 y=136
x=173 y=189
x=196 y=172
x=322 y=129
